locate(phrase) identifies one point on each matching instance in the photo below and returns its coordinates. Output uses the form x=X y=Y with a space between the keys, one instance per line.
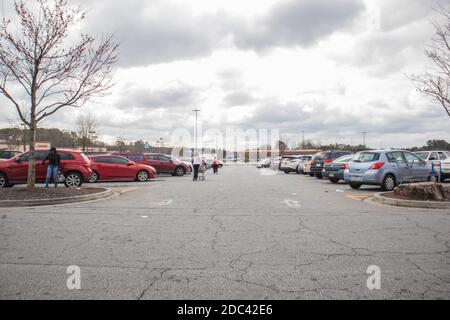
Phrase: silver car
x=386 y=169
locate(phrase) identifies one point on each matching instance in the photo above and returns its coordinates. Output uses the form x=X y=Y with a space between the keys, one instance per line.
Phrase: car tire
x=286 y=171
x=319 y=176
x=388 y=183
x=142 y=176
x=355 y=186
x=3 y=181
x=73 y=180
x=334 y=180
x=94 y=177
x=311 y=174
x=179 y=171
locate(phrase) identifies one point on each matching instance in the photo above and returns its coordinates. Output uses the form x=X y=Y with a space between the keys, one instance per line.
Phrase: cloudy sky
x=330 y=68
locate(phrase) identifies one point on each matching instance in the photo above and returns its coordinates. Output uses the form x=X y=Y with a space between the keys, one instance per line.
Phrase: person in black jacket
x=54 y=163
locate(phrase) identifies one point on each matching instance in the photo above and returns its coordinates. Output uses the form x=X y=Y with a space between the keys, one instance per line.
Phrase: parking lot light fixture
x=196 y=128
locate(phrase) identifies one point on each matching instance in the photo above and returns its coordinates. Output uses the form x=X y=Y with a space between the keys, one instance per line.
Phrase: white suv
x=294 y=163
x=442 y=157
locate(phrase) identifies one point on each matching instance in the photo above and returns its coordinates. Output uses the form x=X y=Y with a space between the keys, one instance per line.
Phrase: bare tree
x=436 y=83
x=86 y=126
x=38 y=60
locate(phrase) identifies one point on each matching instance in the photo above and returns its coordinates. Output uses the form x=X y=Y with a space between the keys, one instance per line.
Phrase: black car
x=334 y=171
x=324 y=157
x=8 y=154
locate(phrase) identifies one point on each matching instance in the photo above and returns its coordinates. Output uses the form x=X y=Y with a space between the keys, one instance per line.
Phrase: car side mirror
x=130 y=164
x=18 y=160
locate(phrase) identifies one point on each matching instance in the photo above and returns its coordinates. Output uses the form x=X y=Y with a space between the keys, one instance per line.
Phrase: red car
x=112 y=167
x=162 y=163
x=75 y=167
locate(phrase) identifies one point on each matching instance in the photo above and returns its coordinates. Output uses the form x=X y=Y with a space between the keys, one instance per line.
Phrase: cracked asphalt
x=237 y=235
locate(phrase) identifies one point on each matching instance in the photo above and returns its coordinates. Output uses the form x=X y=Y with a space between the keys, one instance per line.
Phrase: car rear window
x=344 y=159
x=322 y=155
x=367 y=157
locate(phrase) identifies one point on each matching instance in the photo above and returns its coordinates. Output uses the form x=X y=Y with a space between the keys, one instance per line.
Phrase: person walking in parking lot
x=54 y=163
x=215 y=166
x=196 y=161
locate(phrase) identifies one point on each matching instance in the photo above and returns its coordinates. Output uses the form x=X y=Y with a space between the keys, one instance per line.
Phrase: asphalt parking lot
x=237 y=235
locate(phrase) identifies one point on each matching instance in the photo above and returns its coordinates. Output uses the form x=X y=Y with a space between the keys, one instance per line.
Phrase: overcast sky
x=331 y=68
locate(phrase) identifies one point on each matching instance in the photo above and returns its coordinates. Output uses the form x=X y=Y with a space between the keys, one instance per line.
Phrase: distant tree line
x=56 y=137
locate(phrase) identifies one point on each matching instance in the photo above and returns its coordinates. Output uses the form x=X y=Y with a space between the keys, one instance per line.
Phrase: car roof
x=61 y=150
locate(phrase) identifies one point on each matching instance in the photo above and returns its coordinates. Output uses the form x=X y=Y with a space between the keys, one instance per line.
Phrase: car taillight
x=377 y=166
x=327 y=161
x=344 y=166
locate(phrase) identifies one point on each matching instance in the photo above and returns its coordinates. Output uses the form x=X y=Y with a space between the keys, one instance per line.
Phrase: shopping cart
x=201 y=172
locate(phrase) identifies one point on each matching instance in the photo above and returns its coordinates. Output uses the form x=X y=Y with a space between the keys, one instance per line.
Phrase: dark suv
x=75 y=167
x=321 y=158
x=162 y=163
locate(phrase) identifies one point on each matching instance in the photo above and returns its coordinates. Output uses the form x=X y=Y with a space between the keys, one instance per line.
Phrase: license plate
x=331 y=175
x=356 y=179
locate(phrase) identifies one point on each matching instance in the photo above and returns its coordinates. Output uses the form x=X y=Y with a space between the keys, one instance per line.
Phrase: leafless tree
x=40 y=61
x=86 y=126
x=436 y=82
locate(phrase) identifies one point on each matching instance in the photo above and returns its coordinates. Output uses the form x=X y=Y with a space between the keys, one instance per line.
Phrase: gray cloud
x=299 y=23
x=158 y=31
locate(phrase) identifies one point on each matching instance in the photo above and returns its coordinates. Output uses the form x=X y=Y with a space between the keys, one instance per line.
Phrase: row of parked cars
x=77 y=168
x=384 y=168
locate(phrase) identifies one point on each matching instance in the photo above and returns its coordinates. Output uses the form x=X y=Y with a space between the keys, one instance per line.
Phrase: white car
x=265 y=163
x=441 y=158
x=294 y=163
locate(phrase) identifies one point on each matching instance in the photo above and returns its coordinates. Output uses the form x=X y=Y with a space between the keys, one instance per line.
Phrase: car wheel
x=179 y=172
x=319 y=176
x=94 y=177
x=334 y=180
x=73 y=180
x=287 y=171
x=388 y=183
x=311 y=174
x=355 y=186
x=3 y=181
x=142 y=176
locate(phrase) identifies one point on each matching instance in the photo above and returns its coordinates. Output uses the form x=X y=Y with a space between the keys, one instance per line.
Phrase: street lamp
x=196 y=128
x=91 y=135
x=364 y=138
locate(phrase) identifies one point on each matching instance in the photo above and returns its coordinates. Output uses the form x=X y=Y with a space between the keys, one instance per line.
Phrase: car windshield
x=367 y=157
x=422 y=155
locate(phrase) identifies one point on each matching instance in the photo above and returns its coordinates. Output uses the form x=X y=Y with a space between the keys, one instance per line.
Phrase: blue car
x=387 y=169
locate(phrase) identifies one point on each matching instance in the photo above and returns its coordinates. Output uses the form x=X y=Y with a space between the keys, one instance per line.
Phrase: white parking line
x=292 y=203
x=165 y=202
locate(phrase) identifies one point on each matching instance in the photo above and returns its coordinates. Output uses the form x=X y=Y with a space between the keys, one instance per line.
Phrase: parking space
x=237 y=235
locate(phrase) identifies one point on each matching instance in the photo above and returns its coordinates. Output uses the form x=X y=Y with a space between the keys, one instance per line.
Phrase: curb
x=380 y=198
x=46 y=202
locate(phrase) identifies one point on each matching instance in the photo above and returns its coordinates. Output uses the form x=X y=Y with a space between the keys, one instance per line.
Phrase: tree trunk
x=32 y=158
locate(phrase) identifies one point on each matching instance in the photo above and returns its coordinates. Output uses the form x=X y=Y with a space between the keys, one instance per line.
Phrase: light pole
x=91 y=134
x=196 y=128
x=364 y=138
x=303 y=139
